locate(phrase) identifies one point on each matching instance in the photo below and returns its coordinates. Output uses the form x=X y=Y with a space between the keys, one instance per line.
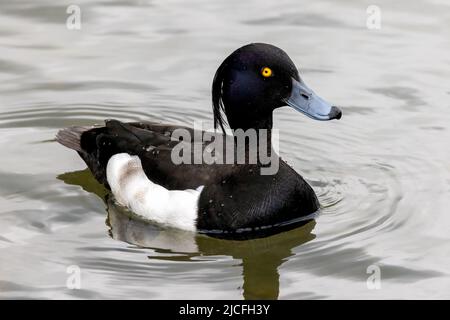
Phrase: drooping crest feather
x=217 y=102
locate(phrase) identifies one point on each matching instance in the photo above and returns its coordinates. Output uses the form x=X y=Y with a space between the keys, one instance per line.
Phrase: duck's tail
x=97 y=144
x=71 y=137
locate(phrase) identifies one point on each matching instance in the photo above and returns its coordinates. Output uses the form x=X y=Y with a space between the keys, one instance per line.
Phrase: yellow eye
x=266 y=72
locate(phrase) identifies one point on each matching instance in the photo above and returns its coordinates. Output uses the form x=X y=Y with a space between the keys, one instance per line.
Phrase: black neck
x=255 y=139
x=245 y=122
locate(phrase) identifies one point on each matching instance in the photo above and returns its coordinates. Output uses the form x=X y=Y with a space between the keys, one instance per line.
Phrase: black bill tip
x=335 y=113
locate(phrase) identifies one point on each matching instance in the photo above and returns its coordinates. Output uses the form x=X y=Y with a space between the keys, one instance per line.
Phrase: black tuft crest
x=217 y=103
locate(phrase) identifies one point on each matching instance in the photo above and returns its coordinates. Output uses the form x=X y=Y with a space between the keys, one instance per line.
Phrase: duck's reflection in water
x=260 y=258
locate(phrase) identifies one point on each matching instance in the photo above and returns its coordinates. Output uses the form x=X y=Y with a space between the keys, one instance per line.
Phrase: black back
x=236 y=198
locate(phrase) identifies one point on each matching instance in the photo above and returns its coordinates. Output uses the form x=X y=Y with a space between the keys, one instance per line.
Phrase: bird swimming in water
x=231 y=200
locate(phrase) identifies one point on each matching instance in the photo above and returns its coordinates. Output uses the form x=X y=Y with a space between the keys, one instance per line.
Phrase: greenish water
x=382 y=173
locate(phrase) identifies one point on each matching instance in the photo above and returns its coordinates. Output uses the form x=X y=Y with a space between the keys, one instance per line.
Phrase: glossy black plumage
x=236 y=198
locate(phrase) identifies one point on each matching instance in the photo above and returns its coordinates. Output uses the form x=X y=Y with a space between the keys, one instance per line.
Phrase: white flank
x=132 y=189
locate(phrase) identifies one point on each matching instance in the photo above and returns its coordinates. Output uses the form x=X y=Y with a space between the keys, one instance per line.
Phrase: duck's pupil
x=266 y=72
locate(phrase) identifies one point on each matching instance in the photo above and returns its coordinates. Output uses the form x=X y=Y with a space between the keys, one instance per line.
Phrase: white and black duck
x=227 y=200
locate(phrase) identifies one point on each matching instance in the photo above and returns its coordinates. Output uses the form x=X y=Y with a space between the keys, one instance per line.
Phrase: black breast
x=248 y=200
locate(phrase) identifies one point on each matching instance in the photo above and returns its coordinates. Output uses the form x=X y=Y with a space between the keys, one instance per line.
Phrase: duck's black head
x=256 y=79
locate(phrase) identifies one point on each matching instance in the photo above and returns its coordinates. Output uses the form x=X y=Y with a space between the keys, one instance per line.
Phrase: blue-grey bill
x=303 y=99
